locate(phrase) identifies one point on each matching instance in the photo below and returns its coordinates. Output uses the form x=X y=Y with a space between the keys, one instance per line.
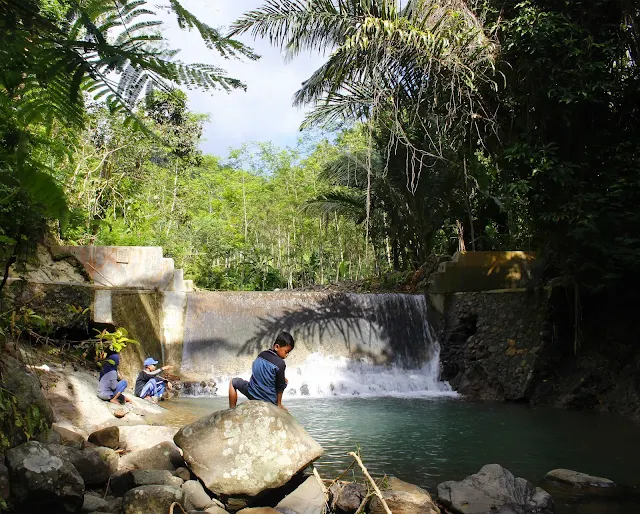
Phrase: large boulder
x=26 y=387
x=95 y=465
x=161 y=456
x=246 y=450
x=404 y=498
x=308 y=498
x=577 y=479
x=108 y=437
x=494 y=489
x=151 y=499
x=43 y=482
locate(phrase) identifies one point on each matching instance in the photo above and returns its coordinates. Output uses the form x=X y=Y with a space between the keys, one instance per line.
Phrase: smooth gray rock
x=195 y=497
x=150 y=499
x=41 y=481
x=155 y=477
x=215 y=509
x=577 y=479
x=108 y=437
x=307 y=498
x=494 y=490
x=94 y=503
x=404 y=498
x=95 y=465
x=347 y=496
x=245 y=450
x=161 y=456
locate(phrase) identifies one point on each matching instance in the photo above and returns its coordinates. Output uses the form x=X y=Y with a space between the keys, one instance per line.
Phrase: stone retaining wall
x=491 y=341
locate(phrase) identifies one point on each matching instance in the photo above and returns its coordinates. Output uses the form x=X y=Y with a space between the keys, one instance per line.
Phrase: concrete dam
x=345 y=343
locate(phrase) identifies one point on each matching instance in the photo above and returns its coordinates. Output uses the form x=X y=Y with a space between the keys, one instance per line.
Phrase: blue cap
x=149 y=361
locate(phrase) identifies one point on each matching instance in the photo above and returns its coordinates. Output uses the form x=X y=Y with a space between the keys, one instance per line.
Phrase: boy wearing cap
x=149 y=382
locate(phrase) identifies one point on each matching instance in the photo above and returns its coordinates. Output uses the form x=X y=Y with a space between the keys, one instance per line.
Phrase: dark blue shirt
x=267 y=377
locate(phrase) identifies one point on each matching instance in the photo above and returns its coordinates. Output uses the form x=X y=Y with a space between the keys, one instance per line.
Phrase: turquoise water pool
x=428 y=440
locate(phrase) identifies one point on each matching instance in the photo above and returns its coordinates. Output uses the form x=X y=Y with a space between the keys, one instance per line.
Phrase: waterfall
x=346 y=344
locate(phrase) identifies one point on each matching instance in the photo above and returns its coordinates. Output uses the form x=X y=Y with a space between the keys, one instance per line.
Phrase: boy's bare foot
x=114 y=400
x=127 y=400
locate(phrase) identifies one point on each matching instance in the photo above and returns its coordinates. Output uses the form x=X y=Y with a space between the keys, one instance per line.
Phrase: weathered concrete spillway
x=345 y=343
x=341 y=339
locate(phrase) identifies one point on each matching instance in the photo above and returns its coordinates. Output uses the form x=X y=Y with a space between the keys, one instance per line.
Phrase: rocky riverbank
x=253 y=457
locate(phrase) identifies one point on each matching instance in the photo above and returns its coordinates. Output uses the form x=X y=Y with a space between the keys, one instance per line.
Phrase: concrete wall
x=223 y=332
x=123 y=266
x=485 y=271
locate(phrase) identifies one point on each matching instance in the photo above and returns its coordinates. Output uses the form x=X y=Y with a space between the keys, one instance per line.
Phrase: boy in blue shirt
x=267 y=381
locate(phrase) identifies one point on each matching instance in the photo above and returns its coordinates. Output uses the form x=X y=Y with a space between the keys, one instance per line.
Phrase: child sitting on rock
x=267 y=381
x=110 y=387
x=149 y=383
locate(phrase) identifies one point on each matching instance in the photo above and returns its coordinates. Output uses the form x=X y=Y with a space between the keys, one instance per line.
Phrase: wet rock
x=404 y=498
x=69 y=437
x=195 y=497
x=108 y=437
x=150 y=499
x=183 y=473
x=161 y=456
x=95 y=465
x=41 y=481
x=494 y=489
x=347 y=496
x=577 y=479
x=245 y=450
x=308 y=498
x=155 y=477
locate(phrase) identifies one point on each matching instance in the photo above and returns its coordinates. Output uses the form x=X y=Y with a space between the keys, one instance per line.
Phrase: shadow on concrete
x=397 y=321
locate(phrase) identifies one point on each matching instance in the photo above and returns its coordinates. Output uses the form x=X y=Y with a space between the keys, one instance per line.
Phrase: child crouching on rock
x=267 y=381
x=149 y=383
x=110 y=387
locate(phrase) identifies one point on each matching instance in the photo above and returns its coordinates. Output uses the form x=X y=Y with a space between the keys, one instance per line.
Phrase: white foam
x=325 y=375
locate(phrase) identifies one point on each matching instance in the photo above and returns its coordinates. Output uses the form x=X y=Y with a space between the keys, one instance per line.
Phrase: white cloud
x=264 y=112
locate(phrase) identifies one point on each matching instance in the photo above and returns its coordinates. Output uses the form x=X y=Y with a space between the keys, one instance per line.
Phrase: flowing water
x=428 y=440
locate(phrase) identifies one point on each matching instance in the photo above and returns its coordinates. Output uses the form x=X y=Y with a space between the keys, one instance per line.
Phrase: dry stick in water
x=373 y=484
x=325 y=491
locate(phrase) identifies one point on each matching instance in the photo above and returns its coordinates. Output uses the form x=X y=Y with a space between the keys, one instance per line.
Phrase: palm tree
x=425 y=63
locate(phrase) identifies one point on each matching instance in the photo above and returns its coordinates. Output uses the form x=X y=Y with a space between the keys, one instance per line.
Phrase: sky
x=264 y=112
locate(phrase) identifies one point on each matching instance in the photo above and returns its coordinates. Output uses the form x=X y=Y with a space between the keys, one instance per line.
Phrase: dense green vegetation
x=497 y=125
